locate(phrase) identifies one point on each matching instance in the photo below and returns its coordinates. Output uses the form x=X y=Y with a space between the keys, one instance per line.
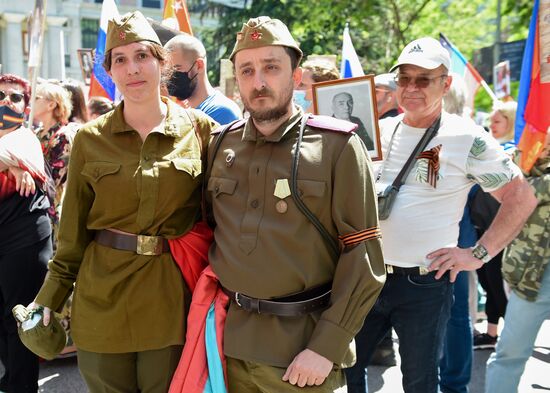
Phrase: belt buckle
x=149 y=245
x=237 y=299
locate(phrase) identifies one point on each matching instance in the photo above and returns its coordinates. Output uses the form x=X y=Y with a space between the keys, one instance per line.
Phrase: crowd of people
x=317 y=252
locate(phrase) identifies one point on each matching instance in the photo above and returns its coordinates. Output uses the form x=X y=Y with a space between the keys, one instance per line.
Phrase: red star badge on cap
x=255 y=35
x=122 y=35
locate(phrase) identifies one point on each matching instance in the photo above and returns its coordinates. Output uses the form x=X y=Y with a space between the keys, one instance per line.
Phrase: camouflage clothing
x=528 y=255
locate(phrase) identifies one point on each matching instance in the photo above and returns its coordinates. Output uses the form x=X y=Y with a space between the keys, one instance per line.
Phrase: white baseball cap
x=424 y=52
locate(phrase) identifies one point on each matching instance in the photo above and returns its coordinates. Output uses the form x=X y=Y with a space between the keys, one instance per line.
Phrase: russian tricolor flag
x=351 y=66
x=533 y=116
x=101 y=83
x=461 y=66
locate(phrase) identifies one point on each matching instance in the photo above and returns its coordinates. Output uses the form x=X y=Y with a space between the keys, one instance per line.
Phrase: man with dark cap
x=284 y=188
x=420 y=225
x=386 y=100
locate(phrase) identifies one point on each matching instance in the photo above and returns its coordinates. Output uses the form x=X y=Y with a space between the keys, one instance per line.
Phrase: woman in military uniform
x=134 y=181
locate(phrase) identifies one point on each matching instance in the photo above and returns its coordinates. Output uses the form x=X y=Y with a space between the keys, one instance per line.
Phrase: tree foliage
x=379 y=28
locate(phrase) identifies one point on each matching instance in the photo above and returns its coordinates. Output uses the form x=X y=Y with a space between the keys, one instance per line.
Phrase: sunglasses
x=14 y=97
x=421 y=82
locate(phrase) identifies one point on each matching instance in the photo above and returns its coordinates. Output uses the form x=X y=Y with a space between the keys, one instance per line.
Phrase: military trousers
x=251 y=377
x=144 y=372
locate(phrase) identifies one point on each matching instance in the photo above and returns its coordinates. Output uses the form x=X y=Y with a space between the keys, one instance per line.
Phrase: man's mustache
x=265 y=92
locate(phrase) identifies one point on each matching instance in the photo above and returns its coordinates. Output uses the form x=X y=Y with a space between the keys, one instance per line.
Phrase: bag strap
x=422 y=143
x=331 y=243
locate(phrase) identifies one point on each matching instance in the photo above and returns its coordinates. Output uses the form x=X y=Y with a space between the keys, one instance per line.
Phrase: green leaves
x=379 y=28
x=492 y=180
x=478 y=147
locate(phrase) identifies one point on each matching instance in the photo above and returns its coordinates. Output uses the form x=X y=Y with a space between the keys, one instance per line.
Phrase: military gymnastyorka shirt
x=264 y=252
x=125 y=302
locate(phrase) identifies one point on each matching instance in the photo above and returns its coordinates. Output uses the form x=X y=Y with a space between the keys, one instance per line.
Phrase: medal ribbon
x=354 y=238
x=432 y=156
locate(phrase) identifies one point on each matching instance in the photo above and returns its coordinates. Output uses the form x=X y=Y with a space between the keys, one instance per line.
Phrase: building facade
x=70 y=25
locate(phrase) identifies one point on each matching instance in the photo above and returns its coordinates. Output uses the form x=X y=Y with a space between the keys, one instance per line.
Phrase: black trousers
x=21 y=276
x=490 y=278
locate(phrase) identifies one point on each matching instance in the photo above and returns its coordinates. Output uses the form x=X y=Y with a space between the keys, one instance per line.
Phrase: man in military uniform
x=298 y=297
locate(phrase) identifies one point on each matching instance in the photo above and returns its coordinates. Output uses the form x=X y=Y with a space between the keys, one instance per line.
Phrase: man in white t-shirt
x=420 y=235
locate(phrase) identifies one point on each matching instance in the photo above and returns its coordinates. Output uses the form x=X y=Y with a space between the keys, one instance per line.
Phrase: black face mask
x=10 y=118
x=181 y=86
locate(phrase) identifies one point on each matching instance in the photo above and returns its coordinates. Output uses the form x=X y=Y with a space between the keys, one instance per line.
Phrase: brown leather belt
x=140 y=244
x=296 y=305
x=405 y=271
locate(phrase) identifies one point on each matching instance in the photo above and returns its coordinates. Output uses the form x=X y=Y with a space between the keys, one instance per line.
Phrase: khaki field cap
x=264 y=31
x=424 y=52
x=44 y=341
x=129 y=28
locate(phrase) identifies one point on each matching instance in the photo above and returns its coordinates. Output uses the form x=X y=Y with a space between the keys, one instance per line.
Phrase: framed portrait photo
x=351 y=99
x=86 y=61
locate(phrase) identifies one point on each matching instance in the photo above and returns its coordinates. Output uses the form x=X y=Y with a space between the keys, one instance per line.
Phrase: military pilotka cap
x=129 y=28
x=44 y=341
x=264 y=31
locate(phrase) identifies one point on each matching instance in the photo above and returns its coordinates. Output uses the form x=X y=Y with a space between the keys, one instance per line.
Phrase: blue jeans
x=515 y=345
x=455 y=368
x=418 y=308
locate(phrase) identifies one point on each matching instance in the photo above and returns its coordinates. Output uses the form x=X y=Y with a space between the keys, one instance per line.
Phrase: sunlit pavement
x=61 y=375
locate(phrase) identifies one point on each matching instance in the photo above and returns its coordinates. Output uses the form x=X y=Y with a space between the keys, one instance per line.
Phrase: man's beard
x=270 y=114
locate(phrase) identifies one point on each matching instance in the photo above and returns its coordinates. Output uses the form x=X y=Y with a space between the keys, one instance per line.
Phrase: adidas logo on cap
x=416 y=48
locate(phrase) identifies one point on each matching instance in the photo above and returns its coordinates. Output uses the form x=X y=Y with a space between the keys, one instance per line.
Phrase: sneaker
x=484 y=341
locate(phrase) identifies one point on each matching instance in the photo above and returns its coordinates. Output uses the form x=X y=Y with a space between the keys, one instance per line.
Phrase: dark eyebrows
x=267 y=60
x=137 y=51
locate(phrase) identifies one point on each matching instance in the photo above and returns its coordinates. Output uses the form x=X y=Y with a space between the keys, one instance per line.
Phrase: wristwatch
x=480 y=252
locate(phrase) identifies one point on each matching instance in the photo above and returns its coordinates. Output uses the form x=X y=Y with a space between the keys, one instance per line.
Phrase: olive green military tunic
x=264 y=253
x=125 y=302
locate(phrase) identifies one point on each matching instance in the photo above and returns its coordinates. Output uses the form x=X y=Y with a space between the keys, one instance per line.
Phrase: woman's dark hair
x=79 y=114
x=100 y=105
x=16 y=80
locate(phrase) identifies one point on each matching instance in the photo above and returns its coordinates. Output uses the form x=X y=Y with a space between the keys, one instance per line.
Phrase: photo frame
x=352 y=99
x=86 y=61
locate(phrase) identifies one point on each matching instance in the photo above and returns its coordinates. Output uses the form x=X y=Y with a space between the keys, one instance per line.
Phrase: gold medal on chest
x=282 y=190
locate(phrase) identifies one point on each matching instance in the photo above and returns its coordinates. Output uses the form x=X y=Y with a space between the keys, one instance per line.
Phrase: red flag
x=176 y=16
x=533 y=117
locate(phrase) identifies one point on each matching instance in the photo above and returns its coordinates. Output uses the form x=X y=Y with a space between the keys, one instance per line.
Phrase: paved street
x=61 y=375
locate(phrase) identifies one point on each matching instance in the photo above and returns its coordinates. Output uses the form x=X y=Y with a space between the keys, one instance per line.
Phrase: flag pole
x=488 y=90
x=35 y=50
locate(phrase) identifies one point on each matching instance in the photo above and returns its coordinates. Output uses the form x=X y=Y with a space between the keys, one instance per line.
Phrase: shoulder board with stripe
x=232 y=127
x=331 y=124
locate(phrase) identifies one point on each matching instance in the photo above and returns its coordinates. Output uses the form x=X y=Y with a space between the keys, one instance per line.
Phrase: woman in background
x=25 y=230
x=79 y=113
x=52 y=109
